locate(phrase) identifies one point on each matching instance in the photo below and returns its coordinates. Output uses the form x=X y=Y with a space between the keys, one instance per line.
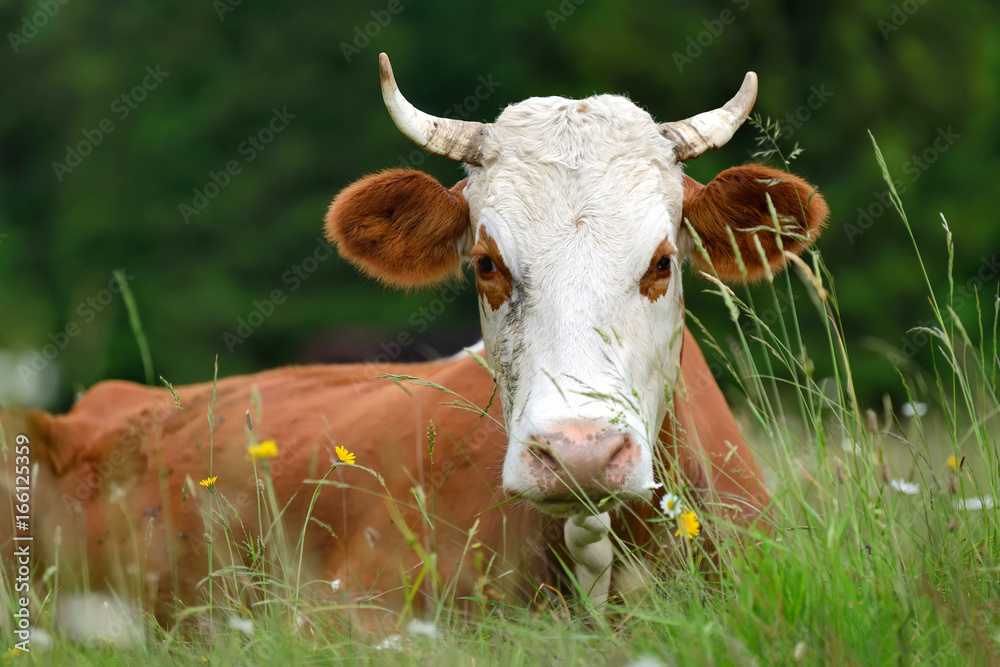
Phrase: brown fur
x=498 y=286
x=654 y=283
x=736 y=198
x=130 y=438
x=401 y=226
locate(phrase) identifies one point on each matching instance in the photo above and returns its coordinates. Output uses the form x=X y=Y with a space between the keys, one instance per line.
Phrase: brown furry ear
x=400 y=226
x=736 y=199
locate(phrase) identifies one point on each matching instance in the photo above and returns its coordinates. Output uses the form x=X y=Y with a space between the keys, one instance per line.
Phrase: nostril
x=622 y=453
x=545 y=457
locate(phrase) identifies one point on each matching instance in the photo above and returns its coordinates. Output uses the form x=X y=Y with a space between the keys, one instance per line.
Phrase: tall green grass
x=875 y=556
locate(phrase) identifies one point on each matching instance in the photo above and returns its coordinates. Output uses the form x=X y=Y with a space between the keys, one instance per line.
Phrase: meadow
x=884 y=545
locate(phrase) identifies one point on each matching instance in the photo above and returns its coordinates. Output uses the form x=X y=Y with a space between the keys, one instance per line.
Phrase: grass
x=857 y=571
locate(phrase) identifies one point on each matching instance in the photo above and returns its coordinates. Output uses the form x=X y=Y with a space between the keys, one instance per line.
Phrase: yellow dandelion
x=209 y=482
x=344 y=455
x=265 y=450
x=688 y=525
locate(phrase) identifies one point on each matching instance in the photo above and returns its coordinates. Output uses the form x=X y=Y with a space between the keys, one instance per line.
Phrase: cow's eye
x=486 y=265
x=663 y=264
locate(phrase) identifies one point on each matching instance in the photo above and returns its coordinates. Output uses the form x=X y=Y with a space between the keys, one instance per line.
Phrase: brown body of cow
x=116 y=488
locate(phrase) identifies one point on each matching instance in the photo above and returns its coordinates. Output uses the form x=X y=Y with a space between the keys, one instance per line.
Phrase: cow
x=531 y=461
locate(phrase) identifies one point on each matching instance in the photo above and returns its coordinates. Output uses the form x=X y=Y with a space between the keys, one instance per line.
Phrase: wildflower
x=335 y=585
x=851 y=446
x=244 y=625
x=984 y=503
x=265 y=450
x=390 y=643
x=670 y=505
x=689 y=525
x=344 y=455
x=914 y=409
x=799 y=651
x=209 y=482
x=904 y=487
x=653 y=486
x=645 y=661
x=424 y=629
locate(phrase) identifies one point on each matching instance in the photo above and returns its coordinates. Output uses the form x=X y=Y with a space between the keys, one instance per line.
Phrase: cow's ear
x=401 y=226
x=736 y=200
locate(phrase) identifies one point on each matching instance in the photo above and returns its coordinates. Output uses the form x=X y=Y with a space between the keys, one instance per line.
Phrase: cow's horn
x=712 y=129
x=455 y=139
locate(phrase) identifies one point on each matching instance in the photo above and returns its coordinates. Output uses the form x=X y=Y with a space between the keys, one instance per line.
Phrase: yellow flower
x=209 y=482
x=265 y=450
x=952 y=462
x=689 y=525
x=344 y=455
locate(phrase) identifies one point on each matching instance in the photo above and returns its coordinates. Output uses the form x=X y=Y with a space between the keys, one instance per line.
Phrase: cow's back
x=121 y=476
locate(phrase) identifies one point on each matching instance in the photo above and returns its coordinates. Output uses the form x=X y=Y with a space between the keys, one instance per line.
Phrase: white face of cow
x=576 y=208
x=571 y=216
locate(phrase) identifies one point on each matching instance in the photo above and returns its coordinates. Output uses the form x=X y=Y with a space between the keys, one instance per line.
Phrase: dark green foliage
x=231 y=71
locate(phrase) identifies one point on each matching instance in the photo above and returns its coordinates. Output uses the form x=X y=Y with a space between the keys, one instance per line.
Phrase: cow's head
x=576 y=215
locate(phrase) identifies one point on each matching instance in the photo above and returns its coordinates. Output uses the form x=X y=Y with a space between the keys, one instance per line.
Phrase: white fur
x=578 y=195
x=590 y=547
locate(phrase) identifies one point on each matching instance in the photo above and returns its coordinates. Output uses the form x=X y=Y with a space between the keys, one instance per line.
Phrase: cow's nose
x=581 y=458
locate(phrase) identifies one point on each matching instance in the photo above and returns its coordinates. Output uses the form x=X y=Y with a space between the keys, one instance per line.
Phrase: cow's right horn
x=454 y=139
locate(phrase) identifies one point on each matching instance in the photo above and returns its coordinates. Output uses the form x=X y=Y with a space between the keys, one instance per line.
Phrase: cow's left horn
x=455 y=139
x=712 y=129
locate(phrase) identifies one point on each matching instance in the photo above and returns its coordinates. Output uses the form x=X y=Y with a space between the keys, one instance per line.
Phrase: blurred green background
x=199 y=79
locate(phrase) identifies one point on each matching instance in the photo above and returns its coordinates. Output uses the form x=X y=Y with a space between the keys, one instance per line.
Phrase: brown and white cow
x=573 y=214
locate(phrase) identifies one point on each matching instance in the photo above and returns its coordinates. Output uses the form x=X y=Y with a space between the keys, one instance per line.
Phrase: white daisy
x=914 y=409
x=851 y=446
x=244 y=625
x=424 y=629
x=984 y=503
x=904 y=487
x=670 y=504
